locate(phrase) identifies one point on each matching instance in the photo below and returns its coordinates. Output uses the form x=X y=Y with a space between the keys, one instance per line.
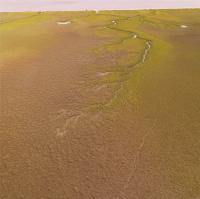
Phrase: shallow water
x=35 y=5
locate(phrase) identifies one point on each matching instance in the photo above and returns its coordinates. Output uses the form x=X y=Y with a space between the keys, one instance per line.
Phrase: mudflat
x=100 y=105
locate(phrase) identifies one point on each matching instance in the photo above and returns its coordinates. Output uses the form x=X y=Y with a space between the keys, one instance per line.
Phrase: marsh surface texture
x=100 y=105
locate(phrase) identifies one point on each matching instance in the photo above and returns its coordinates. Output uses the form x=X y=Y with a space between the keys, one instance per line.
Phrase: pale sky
x=35 y=5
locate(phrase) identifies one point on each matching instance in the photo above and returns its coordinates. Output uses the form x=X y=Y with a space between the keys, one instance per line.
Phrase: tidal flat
x=100 y=104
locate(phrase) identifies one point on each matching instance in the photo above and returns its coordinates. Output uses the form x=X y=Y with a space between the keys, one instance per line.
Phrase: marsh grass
x=163 y=87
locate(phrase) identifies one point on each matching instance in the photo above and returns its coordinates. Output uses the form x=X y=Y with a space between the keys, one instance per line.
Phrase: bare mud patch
x=135 y=36
x=70 y=123
x=103 y=74
x=99 y=88
x=184 y=26
x=63 y=22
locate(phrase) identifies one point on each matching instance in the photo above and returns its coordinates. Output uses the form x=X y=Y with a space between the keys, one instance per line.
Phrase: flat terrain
x=100 y=105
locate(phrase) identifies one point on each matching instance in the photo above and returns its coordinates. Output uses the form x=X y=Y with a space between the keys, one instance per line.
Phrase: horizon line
x=92 y=10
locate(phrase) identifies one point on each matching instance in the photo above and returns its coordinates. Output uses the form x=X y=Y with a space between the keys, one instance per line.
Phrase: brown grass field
x=105 y=107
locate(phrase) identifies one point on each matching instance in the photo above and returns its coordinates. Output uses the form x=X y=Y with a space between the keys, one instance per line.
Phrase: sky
x=52 y=5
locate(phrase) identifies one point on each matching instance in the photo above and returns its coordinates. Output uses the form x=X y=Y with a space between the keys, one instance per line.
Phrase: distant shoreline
x=81 y=5
x=92 y=10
